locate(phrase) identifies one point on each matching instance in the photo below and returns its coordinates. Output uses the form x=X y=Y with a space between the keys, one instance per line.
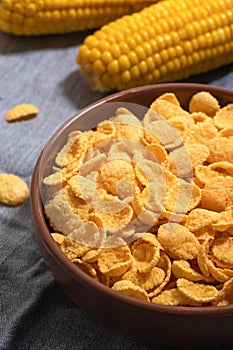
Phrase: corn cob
x=38 y=17
x=167 y=41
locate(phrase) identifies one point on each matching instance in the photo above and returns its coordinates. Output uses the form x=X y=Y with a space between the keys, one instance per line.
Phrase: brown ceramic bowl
x=171 y=326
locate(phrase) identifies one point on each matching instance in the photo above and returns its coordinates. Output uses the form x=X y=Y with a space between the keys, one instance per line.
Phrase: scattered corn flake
x=131 y=290
x=197 y=292
x=14 y=191
x=21 y=112
x=224 y=117
x=178 y=241
x=204 y=102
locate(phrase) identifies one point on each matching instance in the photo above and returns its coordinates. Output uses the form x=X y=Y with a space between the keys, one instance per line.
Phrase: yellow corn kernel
x=169 y=40
x=63 y=16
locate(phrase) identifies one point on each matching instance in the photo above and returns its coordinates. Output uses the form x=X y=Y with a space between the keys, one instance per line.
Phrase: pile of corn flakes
x=146 y=206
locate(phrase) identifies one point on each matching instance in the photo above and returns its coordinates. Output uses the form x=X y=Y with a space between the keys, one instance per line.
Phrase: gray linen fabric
x=34 y=312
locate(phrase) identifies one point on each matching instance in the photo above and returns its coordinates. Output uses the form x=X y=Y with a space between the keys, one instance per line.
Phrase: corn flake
x=13 y=190
x=222 y=249
x=224 y=117
x=204 y=102
x=199 y=218
x=148 y=280
x=173 y=297
x=182 y=269
x=201 y=132
x=197 y=292
x=225 y=295
x=86 y=267
x=217 y=195
x=221 y=149
x=145 y=254
x=22 y=112
x=131 y=290
x=165 y=264
x=178 y=241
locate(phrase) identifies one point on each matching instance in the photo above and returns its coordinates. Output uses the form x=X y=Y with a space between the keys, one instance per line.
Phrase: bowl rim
x=40 y=221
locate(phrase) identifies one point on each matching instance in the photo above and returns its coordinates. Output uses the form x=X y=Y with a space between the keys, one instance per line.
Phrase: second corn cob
x=33 y=17
x=167 y=41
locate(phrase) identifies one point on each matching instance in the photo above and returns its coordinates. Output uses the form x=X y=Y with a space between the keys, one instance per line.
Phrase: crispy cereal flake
x=131 y=290
x=178 y=241
x=197 y=292
x=222 y=249
x=22 y=112
x=204 y=102
x=114 y=261
x=224 y=117
x=13 y=190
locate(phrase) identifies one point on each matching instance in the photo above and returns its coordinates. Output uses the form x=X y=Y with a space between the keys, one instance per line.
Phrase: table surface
x=35 y=313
